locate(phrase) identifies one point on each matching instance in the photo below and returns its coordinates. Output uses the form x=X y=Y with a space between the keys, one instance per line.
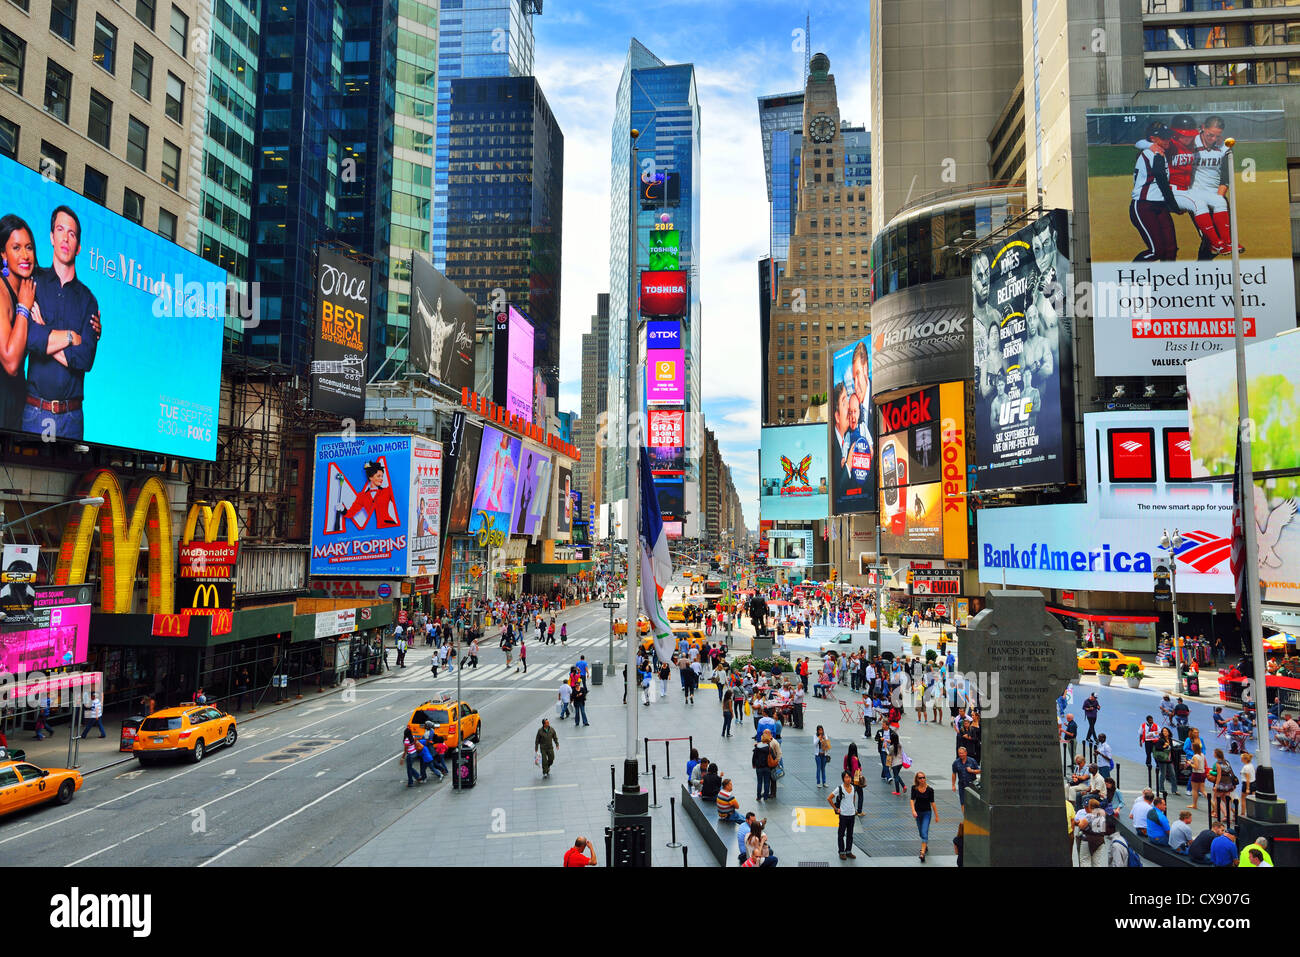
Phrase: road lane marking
x=523 y=834
x=546 y=787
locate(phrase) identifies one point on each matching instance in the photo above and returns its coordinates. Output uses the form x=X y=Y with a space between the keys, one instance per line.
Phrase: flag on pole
x=1237 y=561
x=656 y=562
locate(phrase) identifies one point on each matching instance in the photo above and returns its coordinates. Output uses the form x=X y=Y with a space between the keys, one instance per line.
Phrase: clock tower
x=821 y=123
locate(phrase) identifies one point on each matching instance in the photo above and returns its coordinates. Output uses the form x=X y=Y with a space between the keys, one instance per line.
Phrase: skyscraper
x=595 y=372
x=780 y=119
x=661 y=101
x=505 y=191
x=477 y=38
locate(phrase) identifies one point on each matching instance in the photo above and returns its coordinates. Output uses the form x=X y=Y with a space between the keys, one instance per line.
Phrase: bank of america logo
x=1130 y=446
x=1185 y=446
x=1203 y=551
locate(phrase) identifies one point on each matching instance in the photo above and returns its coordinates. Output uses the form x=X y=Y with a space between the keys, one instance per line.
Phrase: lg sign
x=663 y=293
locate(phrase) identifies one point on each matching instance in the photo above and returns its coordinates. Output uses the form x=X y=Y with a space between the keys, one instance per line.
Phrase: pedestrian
x=411 y=751
x=550 y=631
x=546 y=742
x=853 y=767
x=523 y=653
x=964 y=770
x=1247 y=775
x=430 y=755
x=506 y=647
x=924 y=810
x=775 y=764
x=762 y=769
x=1090 y=709
x=400 y=644
x=726 y=713
x=894 y=757
x=935 y=698
x=759 y=853
x=582 y=854
x=843 y=799
x=241 y=689
x=1225 y=782
x=643 y=677
x=1166 y=773
x=564 y=633
x=663 y=678
x=882 y=750
x=580 y=705
x=1148 y=735
x=565 y=696
x=95 y=715
x=821 y=755
x=1092 y=836
x=1105 y=757
x=583 y=668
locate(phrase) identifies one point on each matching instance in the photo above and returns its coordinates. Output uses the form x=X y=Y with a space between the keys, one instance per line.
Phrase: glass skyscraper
x=662 y=102
x=477 y=38
x=505 y=205
x=779 y=119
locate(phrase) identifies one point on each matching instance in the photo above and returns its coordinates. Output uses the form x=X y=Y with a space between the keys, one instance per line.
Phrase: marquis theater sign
x=207 y=567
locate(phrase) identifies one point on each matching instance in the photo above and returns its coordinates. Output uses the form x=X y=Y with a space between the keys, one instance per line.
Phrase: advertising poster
x=1023 y=357
x=790 y=548
x=660 y=189
x=663 y=334
x=853 y=454
x=563 y=521
x=918 y=335
x=495 y=483
x=426 y=505
x=338 y=358
x=663 y=293
x=18 y=583
x=462 y=491
x=150 y=378
x=935 y=582
x=360 y=507
x=1162 y=241
x=442 y=326
x=665 y=249
x=57 y=636
x=534 y=490
x=793 y=471
x=512 y=357
x=665 y=376
x=672 y=499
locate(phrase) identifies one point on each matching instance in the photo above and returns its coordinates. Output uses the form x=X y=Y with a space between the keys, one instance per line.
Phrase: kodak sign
x=952 y=402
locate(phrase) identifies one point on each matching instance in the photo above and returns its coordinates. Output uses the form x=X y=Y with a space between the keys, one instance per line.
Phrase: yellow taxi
x=191 y=730
x=1119 y=662
x=443 y=713
x=692 y=635
x=25 y=785
x=677 y=613
x=642 y=625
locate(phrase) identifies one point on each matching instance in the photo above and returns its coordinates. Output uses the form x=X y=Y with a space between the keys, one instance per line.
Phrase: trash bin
x=1193 y=682
x=130 y=728
x=1181 y=774
x=597 y=672
x=465 y=773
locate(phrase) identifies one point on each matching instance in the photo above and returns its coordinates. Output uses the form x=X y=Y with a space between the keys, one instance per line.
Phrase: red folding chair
x=846 y=713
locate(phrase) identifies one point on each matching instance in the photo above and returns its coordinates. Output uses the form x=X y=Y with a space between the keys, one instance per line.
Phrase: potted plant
x=1133 y=675
x=1103 y=672
x=916 y=641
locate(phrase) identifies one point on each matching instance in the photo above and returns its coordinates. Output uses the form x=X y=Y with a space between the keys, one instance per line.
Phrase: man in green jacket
x=546 y=742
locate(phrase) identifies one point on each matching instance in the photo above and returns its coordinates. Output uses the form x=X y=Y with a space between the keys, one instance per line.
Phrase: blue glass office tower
x=476 y=38
x=662 y=102
x=779 y=119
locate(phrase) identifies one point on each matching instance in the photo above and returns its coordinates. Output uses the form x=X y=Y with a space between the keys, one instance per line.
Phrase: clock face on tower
x=821 y=128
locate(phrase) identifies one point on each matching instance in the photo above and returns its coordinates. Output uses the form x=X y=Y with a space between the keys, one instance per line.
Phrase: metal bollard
x=685 y=848
x=672 y=816
x=654 y=785
x=646 y=752
x=668 y=763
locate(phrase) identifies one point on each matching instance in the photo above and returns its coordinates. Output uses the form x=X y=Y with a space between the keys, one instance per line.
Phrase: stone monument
x=1021 y=659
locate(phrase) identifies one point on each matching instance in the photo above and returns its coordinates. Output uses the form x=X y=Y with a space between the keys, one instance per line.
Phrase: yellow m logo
x=119 y=543
x=205 y=596
x=212 y=522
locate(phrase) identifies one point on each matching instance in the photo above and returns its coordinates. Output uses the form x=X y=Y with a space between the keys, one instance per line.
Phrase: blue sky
x=741 y=50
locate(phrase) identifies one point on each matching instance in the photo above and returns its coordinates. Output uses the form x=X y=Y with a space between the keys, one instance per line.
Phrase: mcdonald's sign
x=170 y=626
x=120 y=540
x=195 y=597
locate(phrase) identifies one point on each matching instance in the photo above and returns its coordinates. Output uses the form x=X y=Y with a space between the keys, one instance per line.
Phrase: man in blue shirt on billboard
x=61 y=342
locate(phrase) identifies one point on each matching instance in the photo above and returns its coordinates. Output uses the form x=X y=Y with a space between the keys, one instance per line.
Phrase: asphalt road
x=307 y=786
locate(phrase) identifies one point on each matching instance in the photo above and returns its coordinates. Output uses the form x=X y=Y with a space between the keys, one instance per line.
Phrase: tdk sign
x=663 y=335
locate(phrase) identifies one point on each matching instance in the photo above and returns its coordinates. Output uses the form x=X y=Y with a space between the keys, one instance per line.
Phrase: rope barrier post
x=612 y=786
x=646 y=742
x=672 y=816
x=685 y=848
x=668 y=765
x=654 y=785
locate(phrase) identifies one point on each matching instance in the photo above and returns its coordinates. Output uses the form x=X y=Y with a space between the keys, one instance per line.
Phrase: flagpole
x=631 y=777
x=1246 y=480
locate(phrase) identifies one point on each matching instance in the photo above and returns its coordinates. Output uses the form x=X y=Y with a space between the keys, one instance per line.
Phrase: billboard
x=338 y=356
x=671 y=493
x=534 y=490
x=465 y=466
x=57 y=636
x=853 y=433
x=666 y=435
x=663 y=334
x=665 y=249
x=562 y=519
x=18 y=581
x=1161 y=237
x=923 y=473
x=660 y=189
x=665 y=376
x=512 y=379
x=664 y=293
x=921 y=335
x=790 y=547
x=1112 y=541
x=362 y=506
x=792 y=465
x=426 y=505
x=442 y=326
x=1023 y=357
x=934 y=582
x=495 y=483
x=150 y=379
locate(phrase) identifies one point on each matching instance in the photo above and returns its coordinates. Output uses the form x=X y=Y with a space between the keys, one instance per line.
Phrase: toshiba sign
x=663 y=293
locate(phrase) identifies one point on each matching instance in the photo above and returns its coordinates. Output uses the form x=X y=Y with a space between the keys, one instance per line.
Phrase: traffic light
x=834 y=573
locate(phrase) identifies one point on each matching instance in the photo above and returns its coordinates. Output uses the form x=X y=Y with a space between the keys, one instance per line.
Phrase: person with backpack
x=843 y=801
x=853 y=766
x=1121 y=855
x=762 y=770
x=1092 y=836
x=1225 y=783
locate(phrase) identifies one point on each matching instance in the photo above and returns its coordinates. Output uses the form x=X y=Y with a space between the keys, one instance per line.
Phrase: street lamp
x=91 y=500
x=1171 y=545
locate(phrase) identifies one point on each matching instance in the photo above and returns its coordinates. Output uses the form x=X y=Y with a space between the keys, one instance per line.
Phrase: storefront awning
x=1102 y=616
x=557 y=568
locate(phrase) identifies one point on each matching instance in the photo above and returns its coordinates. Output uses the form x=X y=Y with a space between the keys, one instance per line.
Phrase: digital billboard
x=427 y=466
x=790 y=547
x=853 y=433
x=57 y=636
x=338 y=357
x=495 y=482
x=921 y=335
x=1161 y=236
x=660 y=189
x=534 y=490
x=666 y=438
x=663 y=334
x=465 y=466
x=442 y=326
x=923 y=473
x=665 y=376
x=19 y=583
x=562 y=520
x=663 y=293
x=1023 y=357
x=512 y=356
x=665 y=247
x=150 y=377
x=671 y=493
x=793 y=483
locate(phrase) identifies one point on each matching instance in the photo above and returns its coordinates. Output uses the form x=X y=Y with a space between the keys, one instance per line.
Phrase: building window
x=8 y=138
x=166 y=224
x=1293 y=179
x=100 y=125
x=144 y=11
x=58 y=90
x=180 y=31
x=54 y=162
x=133 y=206
x=141 y=72
x=175 y=97
x=63 y=19
x=137 y=144
x=13 y=55
x=105 y=45
x=95 y=186
x=171 y=165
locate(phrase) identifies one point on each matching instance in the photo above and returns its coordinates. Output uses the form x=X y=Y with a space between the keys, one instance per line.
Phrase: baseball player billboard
x=1162 y=238
x=1023 y=356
